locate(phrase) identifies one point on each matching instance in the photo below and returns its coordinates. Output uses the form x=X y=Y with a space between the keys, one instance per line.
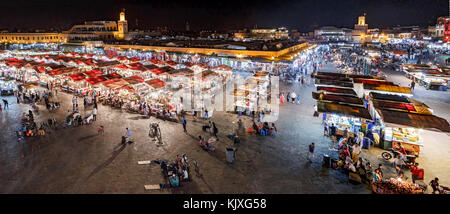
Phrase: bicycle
x=155 y=132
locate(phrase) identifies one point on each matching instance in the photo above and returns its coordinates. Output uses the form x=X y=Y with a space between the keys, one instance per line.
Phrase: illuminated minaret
x=122 y=25
x=360 y=31
x=362 y=26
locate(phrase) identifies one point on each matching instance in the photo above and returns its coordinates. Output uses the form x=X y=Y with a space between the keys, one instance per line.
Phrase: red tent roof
x=159 y=71
x=112 y=76
x=172 y=63
x=137 y=66
x=134 y=59
x=60 y=71
x=122 y=66
x=95 y=80
x=40 y=69
x=114 y=83
x=155 y=83
x=88 y=62
x=14 y=60
x=121 y=58
x=156 y=61
x=202 y=65
x=77 y=77
x=188 y=64
x=134 y=79
x=93 y=73
x=127 y=87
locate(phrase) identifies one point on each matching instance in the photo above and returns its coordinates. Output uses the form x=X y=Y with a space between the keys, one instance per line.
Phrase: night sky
x=227 y=14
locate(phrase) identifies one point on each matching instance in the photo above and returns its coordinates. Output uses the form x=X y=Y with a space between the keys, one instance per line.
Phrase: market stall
x=74 y=84
x=395 y=186
x=364 y=89
x=338 y=91
x=344 y=112
x=403 y=128
x=223 y=70
x=430 y=76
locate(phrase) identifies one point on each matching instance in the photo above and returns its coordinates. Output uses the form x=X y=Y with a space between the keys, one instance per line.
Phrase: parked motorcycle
x=409 y=160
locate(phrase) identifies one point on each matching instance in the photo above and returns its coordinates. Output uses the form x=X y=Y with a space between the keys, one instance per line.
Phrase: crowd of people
x=176 y=171
x=262 y=129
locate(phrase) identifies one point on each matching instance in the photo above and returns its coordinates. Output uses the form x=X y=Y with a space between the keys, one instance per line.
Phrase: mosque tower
x=122 y=25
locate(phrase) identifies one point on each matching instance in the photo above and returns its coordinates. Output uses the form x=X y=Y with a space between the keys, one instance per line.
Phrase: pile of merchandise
x=394 y=186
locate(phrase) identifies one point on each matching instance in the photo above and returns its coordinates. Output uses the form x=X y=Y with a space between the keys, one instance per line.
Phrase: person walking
x=435 y=185
x=74 y=101
x=206 y=114
x=311 y=152
x=333 y=133
x=84 y=103
x=184 y=121
x=316 y=113
x=94 y=113
x=413 y=84
x=5 y=104
x=356 y=150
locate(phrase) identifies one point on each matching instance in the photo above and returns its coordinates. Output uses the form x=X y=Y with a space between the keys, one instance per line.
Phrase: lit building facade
x=30 y=38
x=89 y=31
x=276 y=33
x=266 y=34
x=441 y=30
x=330 y=33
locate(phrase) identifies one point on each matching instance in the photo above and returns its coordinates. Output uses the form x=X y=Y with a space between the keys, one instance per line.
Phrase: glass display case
x=408 y=138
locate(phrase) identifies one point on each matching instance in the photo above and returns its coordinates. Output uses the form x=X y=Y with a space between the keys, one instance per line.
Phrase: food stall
x=147 y=74
x=209 y=79
x=430 y=76
x=7 y=86
x=124 y=70
x=403 y=128
x=241 y=102
x=395 y=186
x=396 y=106
x=345 y=112
x=73 y=83
x=224 y=70
x=408 y=138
